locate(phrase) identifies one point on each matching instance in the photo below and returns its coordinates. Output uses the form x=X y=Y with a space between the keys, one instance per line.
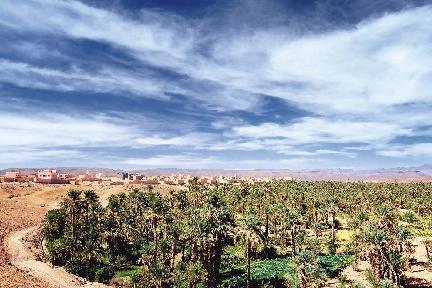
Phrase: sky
x=227 y=84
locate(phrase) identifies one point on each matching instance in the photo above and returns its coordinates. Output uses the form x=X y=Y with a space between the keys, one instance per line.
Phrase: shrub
x=82 y=267
x=263 y=272
x=409 y=217
x=59 y=250
x=386 y=283
x=357 y=285
x=334 y=264
x=104 y=274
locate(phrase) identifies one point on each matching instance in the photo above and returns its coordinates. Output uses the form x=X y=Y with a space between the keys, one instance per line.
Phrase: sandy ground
x=418 y=276
x=22 y=209
x=22 y=258
x=420 y=273
x=15 y=215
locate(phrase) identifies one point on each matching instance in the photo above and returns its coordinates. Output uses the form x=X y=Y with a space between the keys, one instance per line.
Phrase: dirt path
x=21 y=210
x=16 y=215
x=22 y=258
x=420 y=273
x=419 y=276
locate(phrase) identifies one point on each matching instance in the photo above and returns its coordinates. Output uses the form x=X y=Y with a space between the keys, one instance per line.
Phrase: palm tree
x=248 y=233
x=332 y=203
x=73 y=205
x=155 y=213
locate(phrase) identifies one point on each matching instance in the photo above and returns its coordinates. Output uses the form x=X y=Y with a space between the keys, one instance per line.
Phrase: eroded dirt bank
x=16 y=215
x=22 y=209
x=22 y=257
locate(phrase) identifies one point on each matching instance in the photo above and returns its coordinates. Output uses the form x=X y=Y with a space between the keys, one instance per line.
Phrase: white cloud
x=153 y=32
x=378 y=64
x=196 y=140
x=319 y=152
x=343 y=71
x=54 y=130
x=12 y=156
x=191 y=161
x=207 y=141
x=170 y=161
x=412 y=150
x=321 y=130
x=359 y=81
x=106 y=80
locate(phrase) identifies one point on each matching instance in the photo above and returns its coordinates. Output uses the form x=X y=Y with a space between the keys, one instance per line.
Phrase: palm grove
x=270 y=234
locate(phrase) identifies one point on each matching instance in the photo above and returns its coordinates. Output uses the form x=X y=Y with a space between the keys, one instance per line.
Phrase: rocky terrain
x=22 y=208
x=16 y=215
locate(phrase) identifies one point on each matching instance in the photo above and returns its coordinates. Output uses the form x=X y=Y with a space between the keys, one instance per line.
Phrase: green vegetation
x=271 y=234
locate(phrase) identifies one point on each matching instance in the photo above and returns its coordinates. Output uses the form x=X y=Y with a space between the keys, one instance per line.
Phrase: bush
x=334 y=264
x=59 y=251
x=357 y=285
x=83 y=268
x=54 y=225
x=232 y=257
x=265 y=272
x=104 y=274
x=387 y=284
x=409 y=217
x=156 y=275
x=277 y=271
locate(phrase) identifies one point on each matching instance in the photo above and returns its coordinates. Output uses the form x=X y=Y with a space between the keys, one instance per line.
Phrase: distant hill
x=69 y=170
x=405 y=174
x=426 y=169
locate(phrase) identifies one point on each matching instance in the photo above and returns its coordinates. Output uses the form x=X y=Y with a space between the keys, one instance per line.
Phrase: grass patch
x=128 y=272
x=344 y=235
x=273 y=271
x=262 y=272
x=334 y=264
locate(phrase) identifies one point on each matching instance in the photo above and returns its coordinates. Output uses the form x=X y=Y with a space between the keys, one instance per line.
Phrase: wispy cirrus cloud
x=321 y=130
x=197 y=162
x=361 y=85
x=109 y=80
x=152 y=32
x=56 y=130
x=334 y=70
x=13 y=157
x=412 y=150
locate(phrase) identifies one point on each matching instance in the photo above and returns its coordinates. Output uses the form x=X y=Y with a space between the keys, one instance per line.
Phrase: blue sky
x=215 y=84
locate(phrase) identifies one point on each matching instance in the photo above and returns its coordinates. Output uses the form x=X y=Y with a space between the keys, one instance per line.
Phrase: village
x=50 y=176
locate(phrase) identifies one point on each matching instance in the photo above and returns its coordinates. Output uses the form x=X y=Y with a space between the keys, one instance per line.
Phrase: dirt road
x=22 y=258
x=21 y=210
x=15 y=216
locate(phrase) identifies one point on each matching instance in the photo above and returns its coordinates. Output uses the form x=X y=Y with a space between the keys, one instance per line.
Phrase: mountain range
x=404 y=174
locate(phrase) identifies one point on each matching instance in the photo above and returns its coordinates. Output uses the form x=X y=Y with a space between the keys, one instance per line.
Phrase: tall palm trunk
x=302 y=276
x=183 y=252
x=210 y=266
x=248 y=256
x=293 y=243
x=73 y=223
x=267 y=225
x=333 y=232
x=173 y=251
x=430 y=218
x=217 y=260
x=155 y=239
x=194 y=252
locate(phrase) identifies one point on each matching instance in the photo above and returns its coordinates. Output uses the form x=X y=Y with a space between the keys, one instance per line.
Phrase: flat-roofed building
x=48 y=177
x=12 y=176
